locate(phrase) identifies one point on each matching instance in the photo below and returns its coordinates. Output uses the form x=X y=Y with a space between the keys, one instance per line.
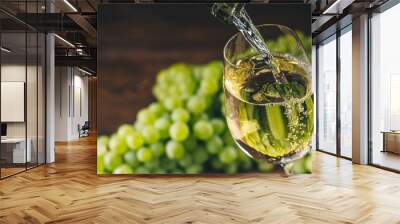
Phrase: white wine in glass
x=269 y=118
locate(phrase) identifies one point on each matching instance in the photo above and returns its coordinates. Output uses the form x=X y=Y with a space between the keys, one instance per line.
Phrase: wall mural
x=201 y=88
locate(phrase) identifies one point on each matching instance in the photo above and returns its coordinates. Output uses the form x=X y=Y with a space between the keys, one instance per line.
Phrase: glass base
x=282 y=160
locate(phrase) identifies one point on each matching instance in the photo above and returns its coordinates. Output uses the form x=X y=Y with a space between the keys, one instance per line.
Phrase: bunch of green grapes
x=285 y=44
x=184 y=131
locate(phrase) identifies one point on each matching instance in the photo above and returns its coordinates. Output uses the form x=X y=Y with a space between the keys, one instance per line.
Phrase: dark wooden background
x=137 y=41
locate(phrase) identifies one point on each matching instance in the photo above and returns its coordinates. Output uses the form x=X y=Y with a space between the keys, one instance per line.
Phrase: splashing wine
x=237 y=15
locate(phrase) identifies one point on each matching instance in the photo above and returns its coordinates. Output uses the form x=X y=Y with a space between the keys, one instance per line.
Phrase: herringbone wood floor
x=69 y=191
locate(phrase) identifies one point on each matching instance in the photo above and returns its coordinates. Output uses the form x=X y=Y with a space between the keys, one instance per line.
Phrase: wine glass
x=269 y=119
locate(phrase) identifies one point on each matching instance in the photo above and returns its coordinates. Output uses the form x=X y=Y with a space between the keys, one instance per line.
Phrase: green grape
x=150 y=134
x=190 y=143
x=175 y=150
x=180 y=69
x=200 y=156
x=221 y=98
x=186 y=161
x=123 y=169
x=118 y=144
x=194 y=169
x=179 y=131
x=102 y=146
x=298 y=166
x=186 y=88
x=162 y=76
x=209 y=100
x=142 y=170
x=201 y=117
x=103 y=140
x=168 y=164
x=159 y=92
x=228 y=155
x=264 y=166
x=152 y=165
x=100 y=164
x=308 y=162
x=131 y=159
x=246 y=164
x=125 y=129
x=218 y=125
x=157 y=109
x=177 y=171
x=166 y=115
x=217 y=164
x=231 y=168
x=228 y=139
x=180 y=114
x=162 y=124
x=203 y=130
x=158 y=149
x=138 y=125
x=198 y=72
x=160 y=171
x=135 y=140
x=242 y=156
x=112 y=160
x=172 y=102
x=214 y=145
x=213 y=70
x=209 y=86
x=197 y=104
x=144 y=116
x=144 y=154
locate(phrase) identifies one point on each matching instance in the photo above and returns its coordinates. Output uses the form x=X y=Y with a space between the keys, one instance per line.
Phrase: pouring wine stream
x=258 y=105
x=236 y=14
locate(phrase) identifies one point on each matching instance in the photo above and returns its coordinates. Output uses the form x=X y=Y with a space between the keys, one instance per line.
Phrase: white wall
x=61 y=103
x=71 y=102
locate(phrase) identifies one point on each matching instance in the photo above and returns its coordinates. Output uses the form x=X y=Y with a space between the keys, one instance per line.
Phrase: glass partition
x=346 y=92
x=327 y=95
x=314 y=90
x=385 y=89
x=41 y=107
x=31 y=99
x=32 y=90
x=23 y=91
x=13 y=105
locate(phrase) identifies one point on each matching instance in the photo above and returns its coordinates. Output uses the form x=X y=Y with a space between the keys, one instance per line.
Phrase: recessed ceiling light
x=64 y=40
x=84 y=71
x=70 y=5
x=5 y=50
x=338 y=6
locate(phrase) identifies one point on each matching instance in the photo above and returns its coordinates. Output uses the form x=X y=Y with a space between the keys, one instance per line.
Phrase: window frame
x=336 y=35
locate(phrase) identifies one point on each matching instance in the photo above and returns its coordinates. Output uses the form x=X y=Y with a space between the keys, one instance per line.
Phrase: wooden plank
x=69 y=191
